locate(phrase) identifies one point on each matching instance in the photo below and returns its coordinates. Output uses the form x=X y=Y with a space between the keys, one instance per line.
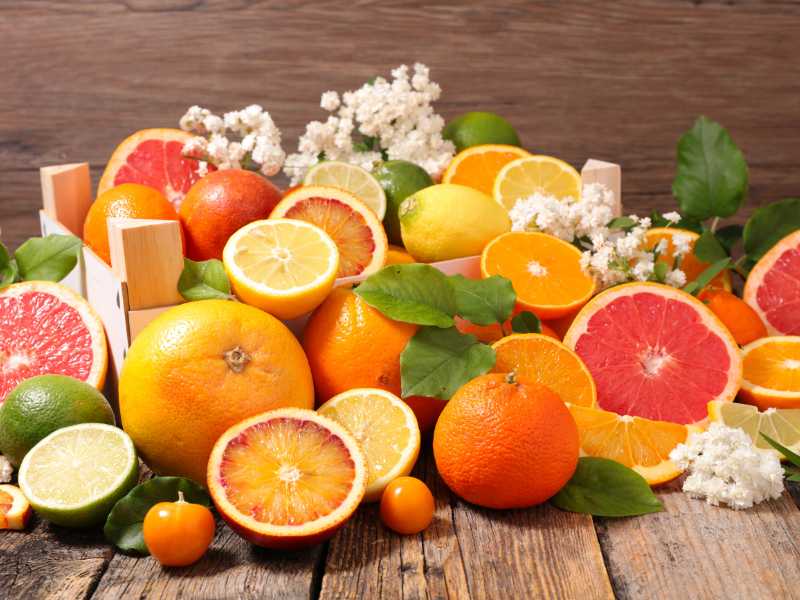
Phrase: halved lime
x=781 y=424
x=75 y=475
x=350 y=178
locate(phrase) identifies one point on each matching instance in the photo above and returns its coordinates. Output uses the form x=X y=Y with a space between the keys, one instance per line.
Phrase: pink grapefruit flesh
x=656 y=352
x=773 y=287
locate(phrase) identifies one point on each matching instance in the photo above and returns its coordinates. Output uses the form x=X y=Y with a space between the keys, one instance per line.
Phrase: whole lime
x=476 y=128
x=40 y=405
x=399 y=179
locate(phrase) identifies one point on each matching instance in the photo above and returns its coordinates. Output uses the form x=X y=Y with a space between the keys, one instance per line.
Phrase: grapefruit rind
x=765 y=397
x=287 y=537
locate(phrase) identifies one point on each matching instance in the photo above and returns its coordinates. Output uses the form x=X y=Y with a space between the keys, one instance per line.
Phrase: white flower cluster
x=258 y=146
x=396 y=115
x=725 y=467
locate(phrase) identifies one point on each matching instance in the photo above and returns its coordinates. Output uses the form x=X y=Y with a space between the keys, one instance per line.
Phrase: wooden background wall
x=615 y=80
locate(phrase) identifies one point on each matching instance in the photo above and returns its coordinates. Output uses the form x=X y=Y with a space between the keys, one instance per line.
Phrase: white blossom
x=682 y=244
x=672 y=217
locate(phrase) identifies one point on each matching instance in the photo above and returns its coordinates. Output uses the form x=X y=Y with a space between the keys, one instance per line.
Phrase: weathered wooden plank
x=693 y=550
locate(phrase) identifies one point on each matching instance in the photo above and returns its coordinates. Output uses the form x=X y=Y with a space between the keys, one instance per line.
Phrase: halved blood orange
x=773 y=287
x=153 y=157
x=690 y=264
x=656 y=352
x=287 y=478
x=351 y=224
x=15 y=510
x=47 y=328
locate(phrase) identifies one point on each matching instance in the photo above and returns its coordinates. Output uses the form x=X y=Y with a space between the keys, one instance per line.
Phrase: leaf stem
x=714 y=224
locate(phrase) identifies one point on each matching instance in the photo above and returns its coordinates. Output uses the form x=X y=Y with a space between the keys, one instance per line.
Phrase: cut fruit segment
x=75 y=475
x=773 y=287
x=350 y=178
x=655 y=352
x=351 y=224
x=771 y=376
x=690 y=264
x=386 y=429
x=529 y=175
x=545 y=271
x=780 y=424
x=153 y=157
x=287 y=478
x=478 y=166
x=547 y=361
x=47 y=328
x=641 y=444
x=15 y=510
x=282 y=266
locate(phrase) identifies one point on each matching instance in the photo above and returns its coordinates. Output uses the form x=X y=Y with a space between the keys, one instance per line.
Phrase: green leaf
x=483 y=301
x=123 y=526
x=526 y=322
x=729 y=236
x=412 y=293
x=624 y=223
x=711 y=179
x=8 y=268
x=795 y=477
x=706 y=276
x=606 y=488
x=660 y=271
x=769 y=224
x=788 y=454
x=708 y=249
x=48 y=258
x=204 y=280
x=436 y=362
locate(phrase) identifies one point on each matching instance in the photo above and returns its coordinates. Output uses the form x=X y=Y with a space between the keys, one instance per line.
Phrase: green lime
x=476 y=128
x=75 y=475
x=40 y=405
x=399 y=179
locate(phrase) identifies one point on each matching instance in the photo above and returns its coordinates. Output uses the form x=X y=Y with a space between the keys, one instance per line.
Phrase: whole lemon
x=199 y=368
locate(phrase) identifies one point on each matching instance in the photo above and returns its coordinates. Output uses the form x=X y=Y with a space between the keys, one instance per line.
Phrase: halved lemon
x=287 y=478
x=771 y=372
x=478 y=166
x=351 y=178
x=282 y=266
x=386 y=428
x=781 y=424
x=537 y=173
x=15 y=510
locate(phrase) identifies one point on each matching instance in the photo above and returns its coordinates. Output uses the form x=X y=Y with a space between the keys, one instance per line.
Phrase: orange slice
x=772 y=372
x=690 y=264
x=478 y=166
x=526 y=176
x=545 y=360
x=545 y=271
x=287 y=478
x=641 y=444
x=14 y=508
x=351 y=224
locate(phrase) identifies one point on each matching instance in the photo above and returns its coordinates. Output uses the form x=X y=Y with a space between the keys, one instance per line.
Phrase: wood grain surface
x=618 y=81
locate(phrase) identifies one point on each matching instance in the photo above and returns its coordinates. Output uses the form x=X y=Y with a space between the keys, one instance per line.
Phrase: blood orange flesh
x=773 y=287
x=655 y=352
x=47 y=328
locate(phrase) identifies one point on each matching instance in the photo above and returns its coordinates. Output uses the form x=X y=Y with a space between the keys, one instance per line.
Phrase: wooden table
x=617 y=81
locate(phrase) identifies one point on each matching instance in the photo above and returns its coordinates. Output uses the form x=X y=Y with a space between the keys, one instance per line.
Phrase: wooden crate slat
x=67 y=194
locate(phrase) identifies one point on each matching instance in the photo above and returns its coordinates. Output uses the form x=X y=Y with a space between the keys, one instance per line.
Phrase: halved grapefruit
x=287 y=478
x=656 y=352
x=773 y=287
x=358 y=233
x=153 y=157
x=47 y=328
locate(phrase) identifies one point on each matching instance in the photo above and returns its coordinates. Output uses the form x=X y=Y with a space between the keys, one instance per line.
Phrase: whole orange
x=221 y=203
x=503 y=442
x=129 y=200
x=199 y=368
x=741 y=320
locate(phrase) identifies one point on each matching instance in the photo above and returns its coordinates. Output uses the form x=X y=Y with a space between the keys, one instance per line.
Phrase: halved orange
x=528 y=175
x=287 y=478
x=15 y=510
x=351 y=224
x=545 y=360
x=690 y=264
x=478 y=166
x=545 y=271
x=771 y=377
x=641 y=444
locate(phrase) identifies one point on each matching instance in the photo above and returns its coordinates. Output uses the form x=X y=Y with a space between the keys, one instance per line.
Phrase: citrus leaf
x=436 y=362
x=204 y=280
x=706 y=276
x=708 y=249
x=526 y=322
x=660 y=271
x=412 y=293
x=623 y=223
x=49 y=258
x=788 y=454
x=123 y=526
x=711 y=179
x=770 y=224
x=729 y=236
x=483 y=301
x=606 y=488
x=8 y=268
